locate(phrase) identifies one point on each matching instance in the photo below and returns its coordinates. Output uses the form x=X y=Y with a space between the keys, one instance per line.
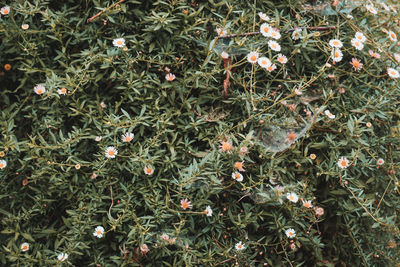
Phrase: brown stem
x=105 y=10
x=321 y=28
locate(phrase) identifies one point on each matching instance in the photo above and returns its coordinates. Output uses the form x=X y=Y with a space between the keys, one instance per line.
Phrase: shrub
x=174 y=133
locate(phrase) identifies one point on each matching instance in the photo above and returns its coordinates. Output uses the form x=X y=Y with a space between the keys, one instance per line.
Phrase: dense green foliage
x=57 y=185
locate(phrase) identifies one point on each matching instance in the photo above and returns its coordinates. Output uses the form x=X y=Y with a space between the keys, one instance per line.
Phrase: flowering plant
x=199 y=133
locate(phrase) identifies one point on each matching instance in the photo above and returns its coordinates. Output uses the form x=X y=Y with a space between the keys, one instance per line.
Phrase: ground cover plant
x=199 y=133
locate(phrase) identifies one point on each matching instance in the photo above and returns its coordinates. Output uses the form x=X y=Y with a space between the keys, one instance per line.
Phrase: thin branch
x=321 y=28
x=105 y=10
x=112 y=203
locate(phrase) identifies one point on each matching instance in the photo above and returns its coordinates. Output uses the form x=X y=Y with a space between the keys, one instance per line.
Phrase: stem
x=105 y=10
x=321 y=28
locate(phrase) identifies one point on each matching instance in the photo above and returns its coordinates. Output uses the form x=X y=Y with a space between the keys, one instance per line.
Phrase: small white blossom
x=208 y=211
x=62 y=256
x=24 y=247
x=290 y=233
x=98 y=231
x=119 y=42
x=240 y=246
x=293 y=197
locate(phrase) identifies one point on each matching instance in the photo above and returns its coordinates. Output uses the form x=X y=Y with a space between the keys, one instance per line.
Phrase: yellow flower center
x=148 y=170
x=393 y=35
x=307 y=205
x=98 y=232
x=237 y=175
x=336 y=54
x=253 y=58
x=185 y=205
x=119 y=42
x=63 y=90
x=111 y=152
x=292 y=136
x=266 y=29
x=1 y=165
x=5 y=11
x=39 y=91
x=343 y=163
x=127 y=138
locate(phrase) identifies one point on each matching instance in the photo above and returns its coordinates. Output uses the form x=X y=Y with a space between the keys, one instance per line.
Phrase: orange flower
x=226 y=147
x=357 y=65
x=185 y=204
x=239 y=166
x=7 y=67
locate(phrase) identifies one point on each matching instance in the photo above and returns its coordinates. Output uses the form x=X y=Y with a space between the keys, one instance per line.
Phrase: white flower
x=393 y=73
x=271 y=68
x=360 y=36
x=62 y=256
x=24 y=247
x=384 y=6
x=397 y=57
x=170 y=77
x=237 y=176
x=307 y=204
x=62 y=91
x=98 y=138
x=296 y=35
x=252 y=57
x=263 y=16
x=39 y=89
x=111 y=152
x=336 y=55
x=148 y=170
x=221 y=32
x=282 y=59
x=208 y=211
x=371 y=9
x=274 y=45
x=224 y=55
x=98 y=231
x=264 y=62
x=5 y=10
x=240 y=246
x=266 y=30
x=357 y=44
x=127 y=137
x=297 y=91
x=293 y=197
x=3 y=164
x=380 y=161
x=25 y=26
x=343 y=163
x=119 y=42
x=392 y=36
x=290 y=233
x=329 y=114
x=275 y=34
x=319 y=211
x=335 y=43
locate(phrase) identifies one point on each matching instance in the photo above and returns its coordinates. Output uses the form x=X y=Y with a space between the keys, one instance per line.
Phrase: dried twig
x=112 y=203
x=105 y=10
x=321 y=28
